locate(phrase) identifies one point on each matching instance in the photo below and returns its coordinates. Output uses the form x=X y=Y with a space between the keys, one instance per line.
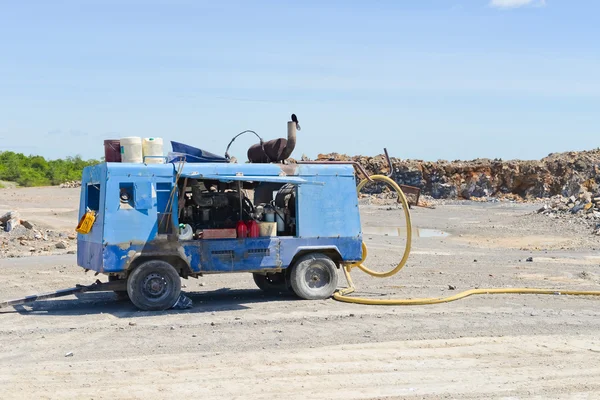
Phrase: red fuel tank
x=241 y=229
x=253 y=229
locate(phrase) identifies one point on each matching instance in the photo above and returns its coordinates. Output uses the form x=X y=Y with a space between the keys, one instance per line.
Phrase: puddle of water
x=401 y=231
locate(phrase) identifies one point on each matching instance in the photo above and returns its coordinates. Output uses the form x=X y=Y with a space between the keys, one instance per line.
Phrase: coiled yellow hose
x=342 y=295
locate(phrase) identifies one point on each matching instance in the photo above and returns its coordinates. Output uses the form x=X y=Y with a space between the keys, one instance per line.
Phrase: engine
x=208 y=207
x=217 y=205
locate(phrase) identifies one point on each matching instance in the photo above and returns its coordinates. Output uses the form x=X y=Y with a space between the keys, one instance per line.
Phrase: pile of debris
x=585 y=208
x=564 y=174
x=71 y=184
x=20 y=237
x=12 y=219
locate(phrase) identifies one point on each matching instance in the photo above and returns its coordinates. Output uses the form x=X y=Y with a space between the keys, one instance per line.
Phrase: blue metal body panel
x=250 y=178
x=326 y=207
x=329 y=210
x=89 y=254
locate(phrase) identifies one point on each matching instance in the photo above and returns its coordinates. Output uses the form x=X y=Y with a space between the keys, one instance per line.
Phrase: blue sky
x=428 y=79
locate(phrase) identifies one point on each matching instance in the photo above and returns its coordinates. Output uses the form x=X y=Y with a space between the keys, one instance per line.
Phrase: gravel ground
x=237 y=342
x=53 y=213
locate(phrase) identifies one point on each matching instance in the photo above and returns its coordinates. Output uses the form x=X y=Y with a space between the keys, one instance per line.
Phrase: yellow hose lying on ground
x=342 y=295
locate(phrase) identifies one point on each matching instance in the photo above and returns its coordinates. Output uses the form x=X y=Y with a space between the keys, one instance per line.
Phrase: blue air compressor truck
x=156 y=223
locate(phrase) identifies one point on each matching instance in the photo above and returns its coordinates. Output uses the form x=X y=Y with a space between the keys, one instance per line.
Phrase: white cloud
x=516 y=3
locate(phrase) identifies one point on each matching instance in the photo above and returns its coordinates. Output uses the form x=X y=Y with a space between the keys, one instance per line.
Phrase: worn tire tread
x=300 y=287
x=147 y=267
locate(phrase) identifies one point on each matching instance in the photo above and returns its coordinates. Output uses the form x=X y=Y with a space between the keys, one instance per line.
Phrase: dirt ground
x=237 y=343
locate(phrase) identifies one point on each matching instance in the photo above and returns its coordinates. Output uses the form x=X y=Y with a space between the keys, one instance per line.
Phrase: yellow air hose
x=342 y=295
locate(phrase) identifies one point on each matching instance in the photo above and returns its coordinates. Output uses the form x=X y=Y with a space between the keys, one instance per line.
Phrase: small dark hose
x=240 y=134
x=249 y=206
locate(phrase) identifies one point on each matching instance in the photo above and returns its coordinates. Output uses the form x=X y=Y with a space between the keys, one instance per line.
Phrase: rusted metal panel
x=218 y=234
x=411 y=193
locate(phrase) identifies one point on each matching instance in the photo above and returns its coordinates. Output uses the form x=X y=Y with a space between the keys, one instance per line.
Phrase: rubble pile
x=19 y=238
x=584 y=208
x=566 y=174
x=71 y=184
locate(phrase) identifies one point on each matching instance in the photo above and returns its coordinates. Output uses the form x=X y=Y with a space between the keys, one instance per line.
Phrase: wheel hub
x=317 y=276
x=155 y=285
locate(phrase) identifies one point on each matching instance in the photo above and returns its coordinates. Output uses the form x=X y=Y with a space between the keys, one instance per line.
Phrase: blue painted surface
x=302 y=170
x=330 y=210
x=89 y=256
x=251 y=178
x=144 y=195
x=327 y=217
x=233 y=255
x=229 y=255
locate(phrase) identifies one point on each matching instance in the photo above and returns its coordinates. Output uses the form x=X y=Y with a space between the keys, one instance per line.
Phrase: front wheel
x=154 y=286
x=314 y=277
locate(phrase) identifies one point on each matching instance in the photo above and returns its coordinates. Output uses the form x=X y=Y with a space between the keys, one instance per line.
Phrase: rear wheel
x=271 y=282
x=314 y=277
x=154 y=285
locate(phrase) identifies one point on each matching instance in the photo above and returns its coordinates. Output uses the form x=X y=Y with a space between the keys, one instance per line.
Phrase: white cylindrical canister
x=131 y=150
x=186 y=232
x=153 y=150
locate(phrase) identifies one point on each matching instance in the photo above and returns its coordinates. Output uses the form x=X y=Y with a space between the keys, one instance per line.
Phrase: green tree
x=36 y=170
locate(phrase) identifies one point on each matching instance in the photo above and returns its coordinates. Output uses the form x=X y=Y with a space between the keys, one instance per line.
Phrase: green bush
x=37 y=171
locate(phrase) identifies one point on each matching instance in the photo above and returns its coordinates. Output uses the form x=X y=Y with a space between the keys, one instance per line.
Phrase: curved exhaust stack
x=291 y=140
x=276 y=150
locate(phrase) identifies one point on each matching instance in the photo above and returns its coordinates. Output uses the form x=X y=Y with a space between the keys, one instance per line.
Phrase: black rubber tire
x=314 y=277
x=154 y=286
x=271 y=282
x=288 y=279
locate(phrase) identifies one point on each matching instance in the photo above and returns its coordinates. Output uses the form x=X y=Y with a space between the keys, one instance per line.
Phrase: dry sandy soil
x=237 y=343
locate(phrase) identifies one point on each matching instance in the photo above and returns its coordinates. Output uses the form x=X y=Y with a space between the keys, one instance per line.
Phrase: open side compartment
x=213 y=208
